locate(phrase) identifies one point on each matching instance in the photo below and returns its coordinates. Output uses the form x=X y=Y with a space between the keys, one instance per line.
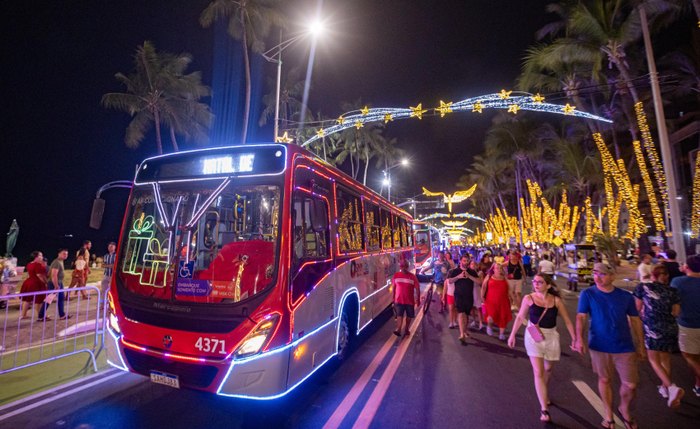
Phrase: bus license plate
x=166 y=379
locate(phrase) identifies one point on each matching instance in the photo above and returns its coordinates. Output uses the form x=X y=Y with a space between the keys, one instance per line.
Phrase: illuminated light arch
x=504 y=100
x=456 y=197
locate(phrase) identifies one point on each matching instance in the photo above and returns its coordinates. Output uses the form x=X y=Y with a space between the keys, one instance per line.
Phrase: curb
x=12 y=408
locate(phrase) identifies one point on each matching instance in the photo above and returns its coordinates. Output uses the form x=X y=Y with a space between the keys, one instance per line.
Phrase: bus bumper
x=259 y=377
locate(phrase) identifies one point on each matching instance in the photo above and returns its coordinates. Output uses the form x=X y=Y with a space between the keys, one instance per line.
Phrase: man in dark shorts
x=405 y=283
x=463 y=279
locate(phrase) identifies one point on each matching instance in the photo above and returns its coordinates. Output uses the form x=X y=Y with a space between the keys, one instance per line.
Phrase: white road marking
x=370 y=409
x=341 y=411
x=594 y=400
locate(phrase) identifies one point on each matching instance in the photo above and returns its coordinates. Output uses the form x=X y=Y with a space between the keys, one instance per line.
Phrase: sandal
x=544 y=416
x=397 y=333
x=629 y=424
x=45 y=319
x=607 y=424
x=463 y=340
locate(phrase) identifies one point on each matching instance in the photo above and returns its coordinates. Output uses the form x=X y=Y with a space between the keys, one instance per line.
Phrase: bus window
x=409 y=233
x=350 y=222
x=372 y=228
x=310 y=228
x=396 y=231
x=386 y=229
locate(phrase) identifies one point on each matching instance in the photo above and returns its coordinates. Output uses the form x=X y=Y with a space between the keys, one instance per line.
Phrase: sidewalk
x=48 y=376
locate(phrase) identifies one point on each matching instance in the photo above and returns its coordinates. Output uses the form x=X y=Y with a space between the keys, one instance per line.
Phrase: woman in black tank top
x=541 y=309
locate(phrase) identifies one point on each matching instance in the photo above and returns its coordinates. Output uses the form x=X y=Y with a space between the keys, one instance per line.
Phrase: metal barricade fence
x=27 y=340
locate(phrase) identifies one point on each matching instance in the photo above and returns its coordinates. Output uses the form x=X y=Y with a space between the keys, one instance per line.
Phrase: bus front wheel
x=344 y=336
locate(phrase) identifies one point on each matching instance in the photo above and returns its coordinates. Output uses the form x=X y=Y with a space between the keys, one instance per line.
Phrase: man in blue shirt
x=612 y=312
x=688 y=288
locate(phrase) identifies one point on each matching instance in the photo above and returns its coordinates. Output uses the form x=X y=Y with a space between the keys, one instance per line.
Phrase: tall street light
x=676 y=227
x=387 y=175
x=274 y=55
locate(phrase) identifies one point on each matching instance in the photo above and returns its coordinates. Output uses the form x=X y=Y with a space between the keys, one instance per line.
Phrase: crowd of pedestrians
x=43 y=277
x=617 y=329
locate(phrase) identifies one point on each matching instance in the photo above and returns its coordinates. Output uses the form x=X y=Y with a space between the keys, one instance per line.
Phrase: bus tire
x=346 y=335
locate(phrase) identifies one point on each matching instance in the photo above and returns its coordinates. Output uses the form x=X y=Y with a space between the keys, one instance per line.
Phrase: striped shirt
x=108 y=260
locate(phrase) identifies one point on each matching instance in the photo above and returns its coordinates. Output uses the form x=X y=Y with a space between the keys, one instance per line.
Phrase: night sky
x=60 y=57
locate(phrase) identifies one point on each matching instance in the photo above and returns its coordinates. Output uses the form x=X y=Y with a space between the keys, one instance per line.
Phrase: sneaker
x=696 y=390
x=489 y=331
x=675 y=394
x=663 y=391
x=502 y=337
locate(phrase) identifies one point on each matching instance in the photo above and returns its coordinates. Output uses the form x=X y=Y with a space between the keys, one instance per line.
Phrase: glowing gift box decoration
x=155 y=261
x=140 y=234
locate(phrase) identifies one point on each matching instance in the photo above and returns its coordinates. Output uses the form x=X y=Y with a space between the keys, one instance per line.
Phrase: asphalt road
x=427 y=381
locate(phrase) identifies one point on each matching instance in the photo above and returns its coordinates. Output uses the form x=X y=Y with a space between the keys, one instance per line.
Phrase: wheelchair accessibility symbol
x=185 y=270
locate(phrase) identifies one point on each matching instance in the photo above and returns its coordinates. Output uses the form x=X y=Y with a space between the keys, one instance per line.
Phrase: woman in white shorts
x=541 y=309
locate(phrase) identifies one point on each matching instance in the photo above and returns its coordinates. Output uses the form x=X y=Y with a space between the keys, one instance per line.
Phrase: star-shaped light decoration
x=478 y=107
x=321 y=132
x=284 y=138
x=359 y=124
x=504 y=94
x=444 y=108
x=537 y=98
x=513 y=108
x=388 y=117
x=340 y=120
x=417 y=112
x=364 y=111
x=569 y=109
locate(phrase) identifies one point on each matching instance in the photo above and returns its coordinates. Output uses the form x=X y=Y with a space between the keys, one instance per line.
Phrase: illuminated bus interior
x=200 y=243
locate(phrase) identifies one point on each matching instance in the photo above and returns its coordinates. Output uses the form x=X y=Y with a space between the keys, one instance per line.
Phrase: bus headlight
x=114 y=324
x=255 y=341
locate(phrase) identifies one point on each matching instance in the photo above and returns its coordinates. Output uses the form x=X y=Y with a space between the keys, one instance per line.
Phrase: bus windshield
x=210 y=242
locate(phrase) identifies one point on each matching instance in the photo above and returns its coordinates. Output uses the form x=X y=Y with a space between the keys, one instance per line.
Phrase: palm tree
x=358 y=143
x=250 y=22
x=490 y=174
x=291 y=89
x=158 y=92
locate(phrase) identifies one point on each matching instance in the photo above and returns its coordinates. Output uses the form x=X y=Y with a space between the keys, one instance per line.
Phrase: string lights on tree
x=652 y=154
x=695 y=217
x=649 y=187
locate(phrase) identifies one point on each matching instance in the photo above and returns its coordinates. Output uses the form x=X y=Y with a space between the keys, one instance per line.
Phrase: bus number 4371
x=210 y=345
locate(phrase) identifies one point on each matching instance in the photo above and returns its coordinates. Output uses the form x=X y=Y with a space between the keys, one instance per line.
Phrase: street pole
x=388 y=175
x=676 y=227
x=277 y=98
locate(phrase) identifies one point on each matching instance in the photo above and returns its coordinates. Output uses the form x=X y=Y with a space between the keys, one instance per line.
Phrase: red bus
x=242 y=270
x=426 y=239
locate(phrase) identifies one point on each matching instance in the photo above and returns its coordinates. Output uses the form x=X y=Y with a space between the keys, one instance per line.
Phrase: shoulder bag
x=534 y=330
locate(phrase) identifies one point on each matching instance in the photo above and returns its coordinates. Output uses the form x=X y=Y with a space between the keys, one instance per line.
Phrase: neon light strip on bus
x=282 y=349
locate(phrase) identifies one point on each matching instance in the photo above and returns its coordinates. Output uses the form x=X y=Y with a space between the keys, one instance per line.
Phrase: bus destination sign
x=249 y=160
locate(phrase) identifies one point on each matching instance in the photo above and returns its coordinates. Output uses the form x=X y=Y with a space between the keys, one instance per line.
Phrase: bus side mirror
x=98 y=211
